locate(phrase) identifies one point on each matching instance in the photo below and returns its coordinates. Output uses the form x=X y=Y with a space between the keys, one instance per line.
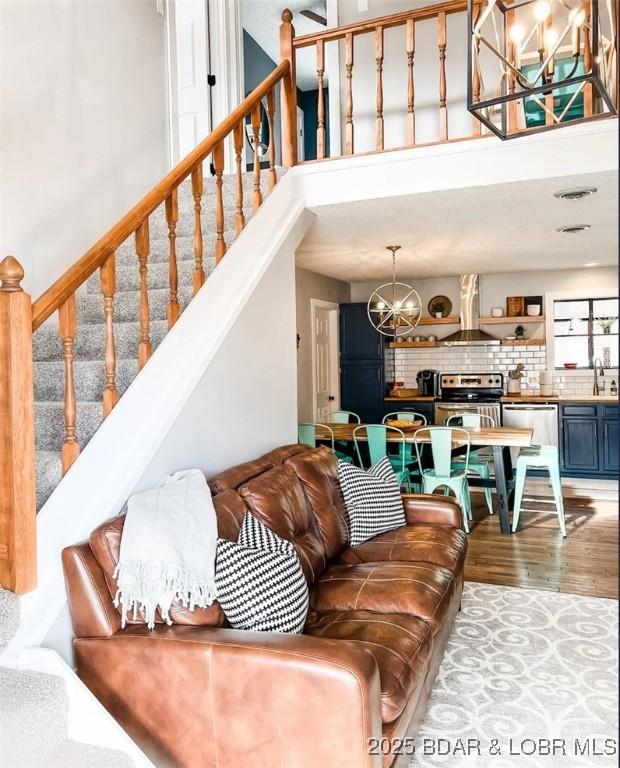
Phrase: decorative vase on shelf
x=606 y=357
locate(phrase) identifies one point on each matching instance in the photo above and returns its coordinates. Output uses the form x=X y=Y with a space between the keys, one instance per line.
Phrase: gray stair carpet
x=89 y=370
x=9 y=616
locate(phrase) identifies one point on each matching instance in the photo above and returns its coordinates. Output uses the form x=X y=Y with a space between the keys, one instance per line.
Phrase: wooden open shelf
x=510 y=320
x=412 y=344
x=523 y=342
x=428 y=320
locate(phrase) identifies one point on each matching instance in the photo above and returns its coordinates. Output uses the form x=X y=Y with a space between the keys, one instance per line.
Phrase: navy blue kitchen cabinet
x=358 y=339
x=362 y=370
x=589 y=440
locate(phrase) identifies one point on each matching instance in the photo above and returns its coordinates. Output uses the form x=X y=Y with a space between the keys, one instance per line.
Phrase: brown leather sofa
x=199 y=694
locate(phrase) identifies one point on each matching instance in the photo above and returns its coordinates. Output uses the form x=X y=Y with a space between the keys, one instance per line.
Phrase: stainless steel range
x=477 y=392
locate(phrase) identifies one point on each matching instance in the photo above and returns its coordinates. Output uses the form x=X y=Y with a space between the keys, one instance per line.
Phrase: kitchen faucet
x=596 y=389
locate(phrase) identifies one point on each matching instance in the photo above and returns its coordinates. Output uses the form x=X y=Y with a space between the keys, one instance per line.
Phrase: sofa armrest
x=189 y=694
x=431 y=508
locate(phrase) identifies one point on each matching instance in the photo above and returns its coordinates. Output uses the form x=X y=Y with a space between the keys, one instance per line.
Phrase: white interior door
x=190 y=111
x=326 y=379
x=301 y=152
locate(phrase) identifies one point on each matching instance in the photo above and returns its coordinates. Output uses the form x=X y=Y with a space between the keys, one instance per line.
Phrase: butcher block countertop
x=554 y=398
x=409 y=398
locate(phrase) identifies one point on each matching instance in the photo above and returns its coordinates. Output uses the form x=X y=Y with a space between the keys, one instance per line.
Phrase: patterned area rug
x=529 y=680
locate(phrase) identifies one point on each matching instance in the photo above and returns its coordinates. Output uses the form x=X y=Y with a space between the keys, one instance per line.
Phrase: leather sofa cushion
x=318 y=473
x=416 y=589
x=423 y=543
x=105 y=543
x=277 y=499
x=231 y=479
x=400 y=644
x=280 y=455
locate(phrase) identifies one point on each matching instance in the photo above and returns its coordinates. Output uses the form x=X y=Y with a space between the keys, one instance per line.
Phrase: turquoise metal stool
x=406 y=449
x=539 y=457
x=307 y=435
x=442 y=473
x=376 y=435
x=477 y=464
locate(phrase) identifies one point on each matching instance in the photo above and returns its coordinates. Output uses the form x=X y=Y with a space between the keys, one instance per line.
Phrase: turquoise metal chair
x=539 y=457
x=442 y=473
x=376 y=438
x=344 y=417
x=406 y=449
x=478 y=464
x=307 y=435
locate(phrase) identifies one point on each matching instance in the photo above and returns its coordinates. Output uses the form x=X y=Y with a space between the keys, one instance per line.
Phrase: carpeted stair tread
x=33 y=712
x=49 y=474
x=75 y=754
x=90 y=379
x=89 y=346
x=9 y=616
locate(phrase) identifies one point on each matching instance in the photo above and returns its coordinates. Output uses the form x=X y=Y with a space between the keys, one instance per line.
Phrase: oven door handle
x=456 y=407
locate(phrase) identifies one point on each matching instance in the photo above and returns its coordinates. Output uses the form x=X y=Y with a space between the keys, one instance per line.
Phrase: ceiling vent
x=574 y=229
x=578 y=193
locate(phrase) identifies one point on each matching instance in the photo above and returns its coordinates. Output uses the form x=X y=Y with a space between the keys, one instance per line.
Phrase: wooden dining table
x=499 y=439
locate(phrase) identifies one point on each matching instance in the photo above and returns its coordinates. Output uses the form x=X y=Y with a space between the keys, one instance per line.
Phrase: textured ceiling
x=262 y=18
x=500 y=228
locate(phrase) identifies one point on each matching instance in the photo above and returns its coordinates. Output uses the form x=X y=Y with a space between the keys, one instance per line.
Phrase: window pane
x=608 y=340
x=572 y=350
x=605 y=308
x=570 y=327
x=570 y=309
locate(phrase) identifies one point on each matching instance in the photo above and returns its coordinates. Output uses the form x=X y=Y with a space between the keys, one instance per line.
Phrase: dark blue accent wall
x=257 y=64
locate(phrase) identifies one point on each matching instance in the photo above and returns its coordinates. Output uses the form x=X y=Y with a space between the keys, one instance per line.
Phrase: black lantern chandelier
x=394 y=309
x=534 y=65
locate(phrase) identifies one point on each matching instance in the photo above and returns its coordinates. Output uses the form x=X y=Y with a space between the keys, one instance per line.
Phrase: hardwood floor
x=537 y=557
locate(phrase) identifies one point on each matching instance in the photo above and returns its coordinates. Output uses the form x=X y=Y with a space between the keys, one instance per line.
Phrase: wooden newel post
x=288 y=92
x=18 y=568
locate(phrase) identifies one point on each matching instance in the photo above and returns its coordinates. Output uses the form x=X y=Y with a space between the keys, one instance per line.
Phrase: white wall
x=426 y=76
x=245 y=404
x=84 y=124
x=310 y=285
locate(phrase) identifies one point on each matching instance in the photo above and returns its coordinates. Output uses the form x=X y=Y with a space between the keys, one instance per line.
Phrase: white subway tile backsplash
x=404 y=364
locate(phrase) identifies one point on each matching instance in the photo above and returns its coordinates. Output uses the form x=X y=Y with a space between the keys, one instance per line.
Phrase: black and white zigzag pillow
x=372 y=499
x=259 y=581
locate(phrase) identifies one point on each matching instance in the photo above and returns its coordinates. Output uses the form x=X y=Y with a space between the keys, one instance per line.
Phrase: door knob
x=331 y=398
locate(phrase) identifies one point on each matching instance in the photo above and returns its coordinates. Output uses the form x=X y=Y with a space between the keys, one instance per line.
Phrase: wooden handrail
x=58 y=293
x=392 y=20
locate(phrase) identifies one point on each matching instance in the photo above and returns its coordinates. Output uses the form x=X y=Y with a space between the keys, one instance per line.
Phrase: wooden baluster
x=349 y=144
x=67 y=326
x=475 y=14
x=145 y=347
x=107 y=277
x=197 y=190
x=320 y=73
x=218 y=165
x=238 y=134
x=441 y=44
x=379 y=62
x=288 y=92
x=588 y=94
x=172 y=217
x=258 y=198
x=271 y=113
x=18 y=527
x=410 y=86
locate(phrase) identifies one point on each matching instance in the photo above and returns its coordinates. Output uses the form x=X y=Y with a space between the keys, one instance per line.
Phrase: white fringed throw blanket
x=168 y=548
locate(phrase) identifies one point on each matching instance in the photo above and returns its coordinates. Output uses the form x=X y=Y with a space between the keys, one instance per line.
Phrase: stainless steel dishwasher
x=541 y=417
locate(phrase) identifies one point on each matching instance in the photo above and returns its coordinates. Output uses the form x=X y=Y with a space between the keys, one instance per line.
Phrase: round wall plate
x=440 y=304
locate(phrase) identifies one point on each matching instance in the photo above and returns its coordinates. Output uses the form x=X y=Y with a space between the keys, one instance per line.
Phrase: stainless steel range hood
x=470 y=334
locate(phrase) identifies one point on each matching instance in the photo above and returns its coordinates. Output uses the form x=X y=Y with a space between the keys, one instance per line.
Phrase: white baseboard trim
x=603 y=490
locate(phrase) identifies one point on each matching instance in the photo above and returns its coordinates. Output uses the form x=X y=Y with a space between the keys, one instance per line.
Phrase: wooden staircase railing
x=19 y=319
x=376 y=27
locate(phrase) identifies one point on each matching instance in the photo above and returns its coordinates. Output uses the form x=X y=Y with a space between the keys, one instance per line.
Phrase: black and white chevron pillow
x=372 y=499
x=259 y=581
